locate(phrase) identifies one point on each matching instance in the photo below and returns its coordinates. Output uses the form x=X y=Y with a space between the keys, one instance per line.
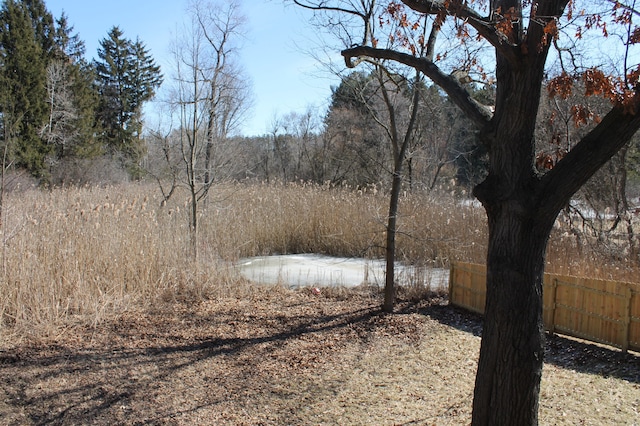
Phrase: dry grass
x=338 y=220
x=82 y=254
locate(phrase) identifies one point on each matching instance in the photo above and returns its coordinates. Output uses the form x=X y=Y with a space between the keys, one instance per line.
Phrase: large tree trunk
x=521 y=209
x=511 y=354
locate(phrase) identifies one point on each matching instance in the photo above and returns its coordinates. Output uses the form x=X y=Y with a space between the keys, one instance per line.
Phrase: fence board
x=470 y=286
x=602 y=311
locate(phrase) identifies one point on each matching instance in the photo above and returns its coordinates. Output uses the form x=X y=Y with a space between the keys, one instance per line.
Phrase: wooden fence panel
x=470 y=286
x=598 y=310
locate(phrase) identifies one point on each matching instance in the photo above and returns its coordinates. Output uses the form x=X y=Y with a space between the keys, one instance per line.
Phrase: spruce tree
x=23 y=73
x=67 y=44
x=126 y=77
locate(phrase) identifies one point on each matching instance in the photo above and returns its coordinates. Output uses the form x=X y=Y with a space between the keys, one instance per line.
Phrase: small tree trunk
x=194 y=225
x=390 y=252
x=208 y=178
x=410 y=173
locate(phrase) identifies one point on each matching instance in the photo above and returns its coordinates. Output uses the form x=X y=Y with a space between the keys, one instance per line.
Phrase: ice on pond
x=304 y=270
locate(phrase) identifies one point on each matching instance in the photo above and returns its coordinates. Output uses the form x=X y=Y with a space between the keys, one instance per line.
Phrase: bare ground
x=292 y=358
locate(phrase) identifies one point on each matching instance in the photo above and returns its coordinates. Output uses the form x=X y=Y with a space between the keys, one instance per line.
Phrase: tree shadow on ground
x=65 y=384
x=229 y=354
x=561 y=351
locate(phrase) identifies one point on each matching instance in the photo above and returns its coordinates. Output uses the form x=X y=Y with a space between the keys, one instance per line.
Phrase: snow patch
x=304 y=270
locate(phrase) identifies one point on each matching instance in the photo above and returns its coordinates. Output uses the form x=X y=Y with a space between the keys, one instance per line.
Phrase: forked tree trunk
x=521 y=206
x=520 y=221
x=521 y=209
x=399 y=153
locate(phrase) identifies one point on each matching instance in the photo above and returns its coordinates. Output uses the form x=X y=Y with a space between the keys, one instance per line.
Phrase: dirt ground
x=292 y=358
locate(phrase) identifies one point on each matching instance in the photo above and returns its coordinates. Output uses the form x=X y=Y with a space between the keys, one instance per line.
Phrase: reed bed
x=83 y=254
x=262 y=219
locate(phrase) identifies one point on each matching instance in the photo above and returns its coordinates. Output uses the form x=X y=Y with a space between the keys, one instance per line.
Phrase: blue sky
x=284 y=77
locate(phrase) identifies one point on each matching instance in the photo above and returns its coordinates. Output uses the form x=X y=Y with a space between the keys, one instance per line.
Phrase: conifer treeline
x=55 y=105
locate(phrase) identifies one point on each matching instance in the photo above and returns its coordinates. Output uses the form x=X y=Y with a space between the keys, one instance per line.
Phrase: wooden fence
x=601 y=311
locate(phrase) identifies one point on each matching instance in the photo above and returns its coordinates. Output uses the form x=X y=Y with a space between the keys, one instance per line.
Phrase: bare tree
x=209 y=98
x=400 y=136
x=163 y=162
x=301 y=132
x=60 y=130
x=228 y=97
x=281 y=144
x=392 y=103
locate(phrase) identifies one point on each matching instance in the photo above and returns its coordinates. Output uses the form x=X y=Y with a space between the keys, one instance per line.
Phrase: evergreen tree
x=23 y=74
x=43 y=25
x=67 y=44
x=47 y=101
x=353 y=92
x=126 y=77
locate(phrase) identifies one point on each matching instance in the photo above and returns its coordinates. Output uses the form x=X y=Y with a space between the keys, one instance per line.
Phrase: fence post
x=451 y=281
x=626 y=324
x=554 y=290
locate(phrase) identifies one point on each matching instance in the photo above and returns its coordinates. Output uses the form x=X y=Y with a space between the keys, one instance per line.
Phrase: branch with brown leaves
x=459 y=10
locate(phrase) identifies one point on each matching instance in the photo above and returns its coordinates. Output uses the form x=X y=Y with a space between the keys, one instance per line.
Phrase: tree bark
x=511 y=353
x=390 y=251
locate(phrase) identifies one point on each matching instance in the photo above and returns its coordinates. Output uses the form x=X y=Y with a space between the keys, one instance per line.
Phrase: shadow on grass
x=561 y=351
x=139 y=383
x=66 y=385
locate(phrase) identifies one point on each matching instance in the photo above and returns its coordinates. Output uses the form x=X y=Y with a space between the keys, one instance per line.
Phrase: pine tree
x=43 y=25
x=67 y=44
x=127 y=77
x=23 y=74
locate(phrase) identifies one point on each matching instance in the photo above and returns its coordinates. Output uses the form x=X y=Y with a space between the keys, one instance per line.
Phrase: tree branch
x=478 y=113
x=459 y=10
x=321 y=6
x=592 y=152
x=365 y=14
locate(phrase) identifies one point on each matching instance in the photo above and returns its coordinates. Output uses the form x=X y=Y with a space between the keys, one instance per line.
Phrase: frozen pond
x=305 y=270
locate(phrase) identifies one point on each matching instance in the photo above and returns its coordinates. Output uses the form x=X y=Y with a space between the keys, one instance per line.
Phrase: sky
x=285 y=78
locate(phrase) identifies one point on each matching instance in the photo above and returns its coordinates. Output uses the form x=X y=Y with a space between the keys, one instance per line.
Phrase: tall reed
x=86 y=253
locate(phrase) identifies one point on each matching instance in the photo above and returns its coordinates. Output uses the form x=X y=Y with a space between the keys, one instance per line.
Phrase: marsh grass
x=83 y=254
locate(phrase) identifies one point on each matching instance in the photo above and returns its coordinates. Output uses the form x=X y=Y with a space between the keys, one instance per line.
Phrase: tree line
x=58 y=108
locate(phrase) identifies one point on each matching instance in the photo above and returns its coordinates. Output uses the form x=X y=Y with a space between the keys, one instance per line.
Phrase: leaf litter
x=292 y=358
